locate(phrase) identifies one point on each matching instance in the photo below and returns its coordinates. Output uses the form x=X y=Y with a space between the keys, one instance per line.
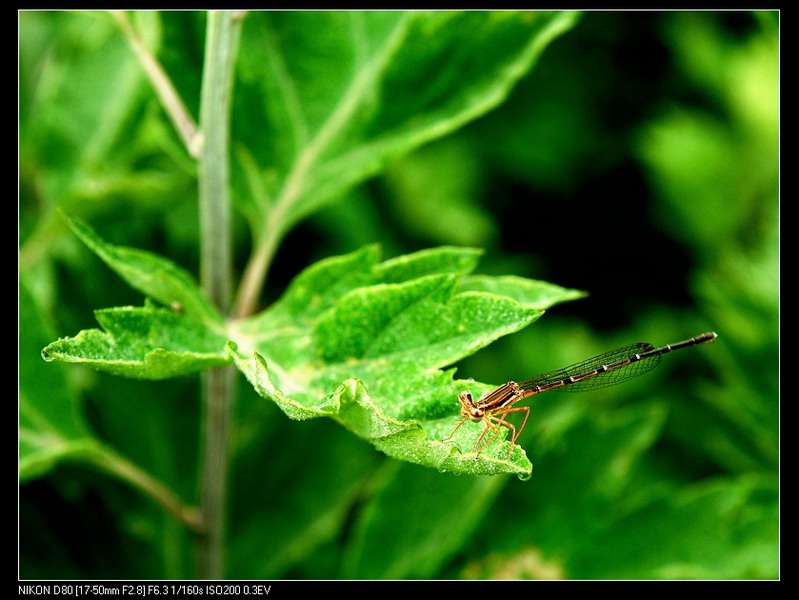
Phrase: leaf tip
x=46 y=355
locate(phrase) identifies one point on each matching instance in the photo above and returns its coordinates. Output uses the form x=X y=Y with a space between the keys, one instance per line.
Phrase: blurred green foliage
x=638 y=161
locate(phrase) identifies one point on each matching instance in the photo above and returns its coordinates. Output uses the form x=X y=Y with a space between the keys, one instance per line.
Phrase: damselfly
x=598 y=372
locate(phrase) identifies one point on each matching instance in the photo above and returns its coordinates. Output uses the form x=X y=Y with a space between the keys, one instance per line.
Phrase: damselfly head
x=470 y=410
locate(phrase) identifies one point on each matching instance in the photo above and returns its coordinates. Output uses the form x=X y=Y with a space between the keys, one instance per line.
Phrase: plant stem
x=219 y=388
x=169 y=97
x=124 y=469
x=255 y=273
x=258 y=266
x=293 y=188
x=215 y=270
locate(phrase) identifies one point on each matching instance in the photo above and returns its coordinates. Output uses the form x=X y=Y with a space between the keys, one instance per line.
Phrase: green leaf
x=527 y=292
x=144 y=342
x=319 y=287
x=361 y=341
x=410 y=440
x=307 y=503
x=343 y=93
x=434 y=191
x=720 y=528
x=78 y=103
x=368 y=347
x=51 y=428
x=445 y=512
x=153 y=275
